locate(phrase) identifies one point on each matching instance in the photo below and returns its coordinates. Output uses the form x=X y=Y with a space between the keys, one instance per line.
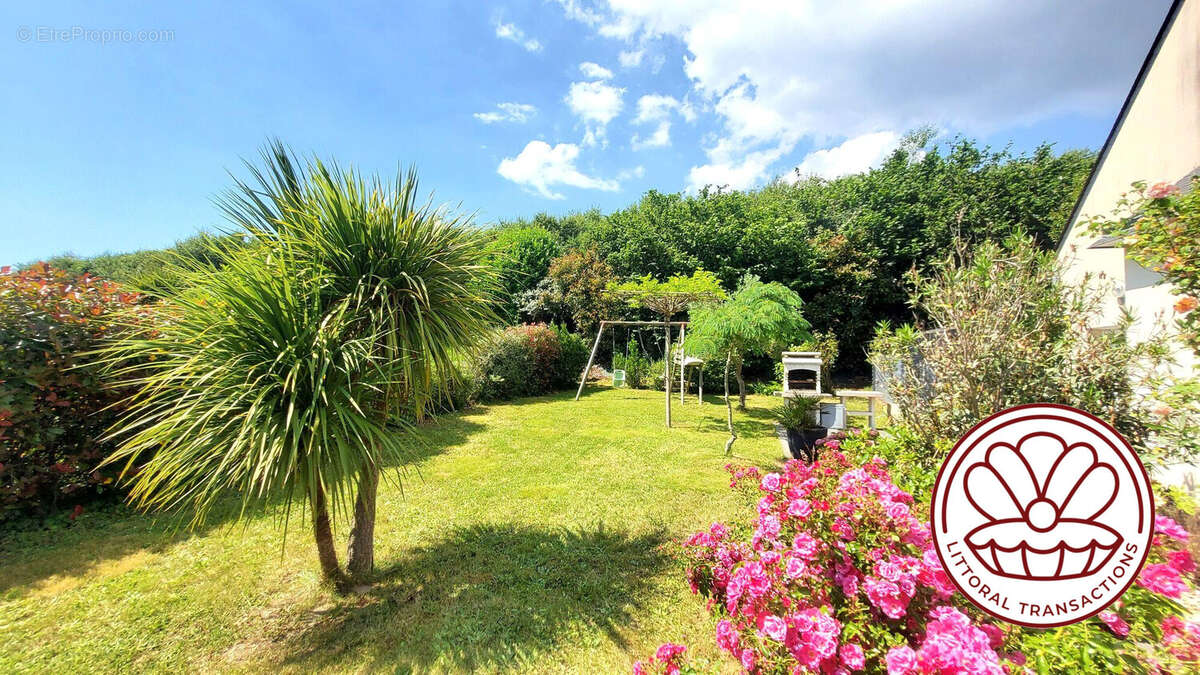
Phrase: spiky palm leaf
x=286 y=373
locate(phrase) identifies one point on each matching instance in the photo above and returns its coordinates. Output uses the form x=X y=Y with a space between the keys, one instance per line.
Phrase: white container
x=833 y=415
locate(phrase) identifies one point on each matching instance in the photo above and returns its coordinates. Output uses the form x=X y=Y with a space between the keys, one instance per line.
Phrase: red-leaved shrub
x=53 y=404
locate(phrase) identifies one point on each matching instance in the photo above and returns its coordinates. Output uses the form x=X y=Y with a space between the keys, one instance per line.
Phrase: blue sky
x=512 y=108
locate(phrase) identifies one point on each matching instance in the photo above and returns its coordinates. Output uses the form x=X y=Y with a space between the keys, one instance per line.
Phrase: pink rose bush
x=835 y=573
x=667 y=660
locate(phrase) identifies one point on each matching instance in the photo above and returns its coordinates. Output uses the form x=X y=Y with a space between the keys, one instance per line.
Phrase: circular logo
x=1042 y=515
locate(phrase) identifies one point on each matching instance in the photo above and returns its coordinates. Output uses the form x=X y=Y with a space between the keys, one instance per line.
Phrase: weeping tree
x=666 y=299
x=759 y=318
x=292 y=373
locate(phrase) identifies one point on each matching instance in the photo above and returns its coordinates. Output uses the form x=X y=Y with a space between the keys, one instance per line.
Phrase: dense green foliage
x=287 y=373
x=529 y=360
x=845 y=244
x=521 y=256
x=574 y=292
x=1003 y=329
x=758 y=318
x=54 y=404
x=639 y=369
x=152 y=270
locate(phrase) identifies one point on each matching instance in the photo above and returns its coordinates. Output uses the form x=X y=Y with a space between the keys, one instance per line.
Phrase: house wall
x=1158 y=140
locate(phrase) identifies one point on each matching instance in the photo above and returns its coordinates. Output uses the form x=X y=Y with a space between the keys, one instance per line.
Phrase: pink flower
x=748 y=659
x=842 y=527
x=1181 y=561
x=852 y=656
x=1115 y=623
x=887 y=596
x=799 y=508
x=774 y=628
x=1170 y=528
x=727 y=637
x=897 y=510
x=995 y=635
x=794 y=568
x=901 y=660
x=1161 y=190
x=768 y=527
x=669 y=651
x=1161 y=578
x=770 y=482
x=639 y=669
x=718 y=531
x=805 y=546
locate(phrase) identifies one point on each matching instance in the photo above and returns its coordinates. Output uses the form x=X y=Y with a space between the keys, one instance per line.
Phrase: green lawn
x=526 y=538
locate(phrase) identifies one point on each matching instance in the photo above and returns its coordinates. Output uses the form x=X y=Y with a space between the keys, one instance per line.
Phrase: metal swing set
x=677 y=356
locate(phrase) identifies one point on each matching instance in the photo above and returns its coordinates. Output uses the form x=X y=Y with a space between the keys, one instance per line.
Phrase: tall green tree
x=521 y=255
x=292 y=371
x=759 y=318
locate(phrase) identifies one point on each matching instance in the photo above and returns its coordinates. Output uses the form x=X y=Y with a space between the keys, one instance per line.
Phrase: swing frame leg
x=591 y=358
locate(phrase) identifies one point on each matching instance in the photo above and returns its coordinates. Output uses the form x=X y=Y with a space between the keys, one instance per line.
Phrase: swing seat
x=618 y=378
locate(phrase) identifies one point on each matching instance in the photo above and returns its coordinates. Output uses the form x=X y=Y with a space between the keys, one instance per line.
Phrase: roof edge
x=1163 y=30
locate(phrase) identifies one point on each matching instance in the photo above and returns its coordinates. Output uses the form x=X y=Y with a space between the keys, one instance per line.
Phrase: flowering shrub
x=836 y=573
x=53 y=406
x=528 y=360
x=667 y=660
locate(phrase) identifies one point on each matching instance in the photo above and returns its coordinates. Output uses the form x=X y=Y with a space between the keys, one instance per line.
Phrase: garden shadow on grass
x=486 y=596
x=753 y=421
x=103 y=538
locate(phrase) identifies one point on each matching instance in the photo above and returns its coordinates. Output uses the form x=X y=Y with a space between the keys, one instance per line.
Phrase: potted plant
x=798 y=416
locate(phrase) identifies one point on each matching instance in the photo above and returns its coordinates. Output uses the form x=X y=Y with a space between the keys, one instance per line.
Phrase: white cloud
x=513 y=33
x=659 y=138
x=631 y=58
x=596 y=104
x=539 y=167
x=508 y=112
x=635 y=172
x=595 y=71
x=730 y=166
x=795 y=69
x=854 y=155
x=656 y=109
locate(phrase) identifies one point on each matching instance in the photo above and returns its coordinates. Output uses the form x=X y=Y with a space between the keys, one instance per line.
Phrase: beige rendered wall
x=1159 y=140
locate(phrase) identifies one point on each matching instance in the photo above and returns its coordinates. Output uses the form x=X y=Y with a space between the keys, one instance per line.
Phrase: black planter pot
x=803 y=442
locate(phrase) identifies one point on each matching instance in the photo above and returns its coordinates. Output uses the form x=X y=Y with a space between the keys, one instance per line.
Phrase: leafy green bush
x=54 y=403
x=798 y=412
x=572 y=357
x=638 y=368
x=521 y=256
x=528 y=360
x=1004 y=330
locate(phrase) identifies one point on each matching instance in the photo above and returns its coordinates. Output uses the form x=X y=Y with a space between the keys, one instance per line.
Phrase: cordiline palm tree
x=292 y=371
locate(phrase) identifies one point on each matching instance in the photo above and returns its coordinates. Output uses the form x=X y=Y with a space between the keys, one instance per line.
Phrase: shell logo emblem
x=1042 y=515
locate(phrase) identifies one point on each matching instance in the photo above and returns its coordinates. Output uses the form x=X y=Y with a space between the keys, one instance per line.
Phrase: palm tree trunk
x=741 y=387
x=728 y=408
x=323 y=534
x=360 y=554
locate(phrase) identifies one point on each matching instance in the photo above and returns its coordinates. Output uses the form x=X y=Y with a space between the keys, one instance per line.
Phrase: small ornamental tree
x=584 y=278
x=666 y=299
x=292 y=372
x=759 y=318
